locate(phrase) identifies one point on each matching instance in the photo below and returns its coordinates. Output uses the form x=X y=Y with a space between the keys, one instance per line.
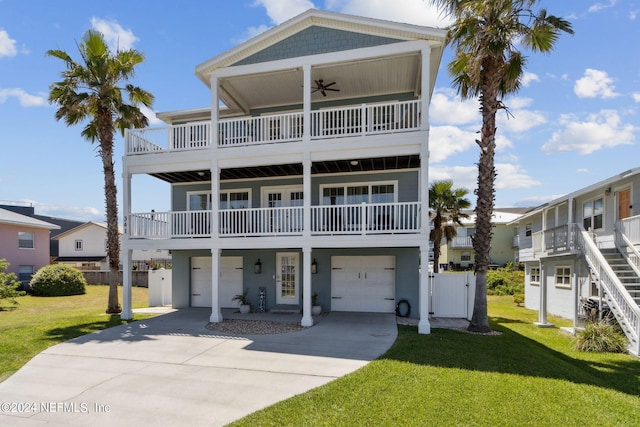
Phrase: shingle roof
x=9 y=217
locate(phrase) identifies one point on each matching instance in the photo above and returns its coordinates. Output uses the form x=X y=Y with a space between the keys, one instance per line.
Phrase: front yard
x=37 y=323
x=525 y=376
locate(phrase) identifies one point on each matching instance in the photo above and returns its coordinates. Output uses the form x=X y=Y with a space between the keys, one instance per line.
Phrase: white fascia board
x=393 y=49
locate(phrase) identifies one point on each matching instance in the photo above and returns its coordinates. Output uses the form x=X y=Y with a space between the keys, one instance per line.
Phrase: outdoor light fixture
x=257 y=267
x=314 y=267
x=354 y=162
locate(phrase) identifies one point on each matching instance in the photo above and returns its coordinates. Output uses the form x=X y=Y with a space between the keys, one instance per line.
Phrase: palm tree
x=89 y=93
x=446 y=206
x=486 y=35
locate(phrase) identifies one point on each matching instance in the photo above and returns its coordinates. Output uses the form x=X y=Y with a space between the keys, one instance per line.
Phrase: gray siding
x=313 y=41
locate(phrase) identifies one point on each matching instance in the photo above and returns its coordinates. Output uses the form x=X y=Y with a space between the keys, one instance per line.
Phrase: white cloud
x=599 y=6
x=445 y=141
x=636 y=96
x=529 y=78
x=282 y=10
x=24 y=99
x=462 y=176
x=77 y=213
x=7 y=45
x=537 y=200
x=512 y=176
x=583 y=170
x=509 y=176
x=448 y=108
x=595 y=84
x=418 y=12
x=519 y=119
x=117 y=38
x=598 y=131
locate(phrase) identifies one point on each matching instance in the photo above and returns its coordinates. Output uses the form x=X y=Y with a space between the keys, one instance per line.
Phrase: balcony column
x=127 y=312
x=126 y=254
x=424 y=193
x=215 y=200
x=424 y=327
x=542 y=306
x=216 y=313
x=306 y=103
x=425 y=85
x=215 y=111
x=307 y=319
x=306 y=191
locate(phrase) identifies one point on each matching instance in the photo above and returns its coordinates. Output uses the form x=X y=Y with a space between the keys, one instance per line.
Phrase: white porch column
x=576 y=291
x=306 y=103
x=542 y=306
x=125 y=253
x=215 y=114
x=425 y=86
x=127 y=312
x=215 y=200
x=424 y=194
x=216 y=313
x=424 y=327
x=307 y=319
x=306 y=181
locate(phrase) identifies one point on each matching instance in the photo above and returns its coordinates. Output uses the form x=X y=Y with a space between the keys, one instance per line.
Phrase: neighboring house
x=458 y=254
x=307 y=174
x=84 y=247
x=582 y=249
x=63 y=224
x=24 y=243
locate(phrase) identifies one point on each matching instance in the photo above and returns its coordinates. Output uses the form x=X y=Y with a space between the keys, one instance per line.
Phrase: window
x=26 y=240
x=355 y=194
x=234 y=199
x=592 y=214
x=563 y=277
x=24 y=273
x=79 y=245
x=466 y=256
x=199 y=200
x=535 y=275
x=527 y=229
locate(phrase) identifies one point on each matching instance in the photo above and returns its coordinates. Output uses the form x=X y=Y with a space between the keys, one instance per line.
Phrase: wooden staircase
x=625 y=273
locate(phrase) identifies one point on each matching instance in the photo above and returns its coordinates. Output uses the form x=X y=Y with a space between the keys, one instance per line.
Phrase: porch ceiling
x=359 y=79
x=295 y=169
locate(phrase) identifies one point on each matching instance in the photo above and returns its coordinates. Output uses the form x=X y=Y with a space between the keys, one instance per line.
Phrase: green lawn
x=525 y=376
x=40 y=322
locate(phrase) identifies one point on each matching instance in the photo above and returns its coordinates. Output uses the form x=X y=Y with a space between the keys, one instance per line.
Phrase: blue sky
x=575 y=121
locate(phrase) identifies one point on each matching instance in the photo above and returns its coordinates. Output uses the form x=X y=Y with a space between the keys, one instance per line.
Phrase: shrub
x=601 y=337
x=8 y=284
x=57 y=280
x=518 y=299
x=505 y=281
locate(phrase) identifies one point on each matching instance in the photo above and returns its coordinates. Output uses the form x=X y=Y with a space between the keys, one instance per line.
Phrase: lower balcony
x=362 y=219
x=461 y=242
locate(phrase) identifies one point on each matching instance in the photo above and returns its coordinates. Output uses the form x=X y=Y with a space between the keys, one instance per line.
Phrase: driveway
x=171 y=370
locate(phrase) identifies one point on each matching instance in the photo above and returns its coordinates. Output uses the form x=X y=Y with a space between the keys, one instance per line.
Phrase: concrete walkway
x=170 y=370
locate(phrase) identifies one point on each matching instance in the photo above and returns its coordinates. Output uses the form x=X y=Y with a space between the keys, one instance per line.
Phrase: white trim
x=602 y=197
x=617 y=190
x=236 y=190
x=295 y=299
x=284 y=189
x=531 y=281
x=555 y=276
x=199 y=192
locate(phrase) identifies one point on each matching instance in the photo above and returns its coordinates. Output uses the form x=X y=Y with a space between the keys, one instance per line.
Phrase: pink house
x=24 y=243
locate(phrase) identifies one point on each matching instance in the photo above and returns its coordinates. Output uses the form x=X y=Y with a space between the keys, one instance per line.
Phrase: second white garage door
x=363 y=283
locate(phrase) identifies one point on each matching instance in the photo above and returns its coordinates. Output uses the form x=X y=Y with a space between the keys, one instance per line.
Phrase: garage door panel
x=363 y=283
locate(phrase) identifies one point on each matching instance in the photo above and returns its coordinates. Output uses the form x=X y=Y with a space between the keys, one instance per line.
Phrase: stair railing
x=623 y=306
x=626 y=247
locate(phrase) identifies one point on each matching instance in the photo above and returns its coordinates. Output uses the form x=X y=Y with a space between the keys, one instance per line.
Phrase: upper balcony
x=461 y=242
x=330 y=123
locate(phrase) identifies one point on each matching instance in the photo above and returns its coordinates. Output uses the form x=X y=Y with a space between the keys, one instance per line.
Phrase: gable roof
x=14 y=218
x=314 y=17
x=499 y=216
x=585 y=190
x=81 y=227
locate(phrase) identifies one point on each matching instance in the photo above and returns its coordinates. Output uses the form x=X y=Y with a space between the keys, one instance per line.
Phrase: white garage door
x=363 y=283
x=230 y=281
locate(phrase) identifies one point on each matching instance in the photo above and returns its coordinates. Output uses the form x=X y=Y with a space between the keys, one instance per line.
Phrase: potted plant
x=316 y=308
x=245 y=305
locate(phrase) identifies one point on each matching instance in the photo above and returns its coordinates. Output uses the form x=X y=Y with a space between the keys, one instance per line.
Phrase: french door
x=278 y=199
x=287 y=278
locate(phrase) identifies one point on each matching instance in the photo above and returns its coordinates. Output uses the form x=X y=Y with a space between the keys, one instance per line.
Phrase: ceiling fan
x=320 y=86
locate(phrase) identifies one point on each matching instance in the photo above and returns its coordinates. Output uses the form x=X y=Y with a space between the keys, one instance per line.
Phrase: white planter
x=245 y=308
x=316 y=310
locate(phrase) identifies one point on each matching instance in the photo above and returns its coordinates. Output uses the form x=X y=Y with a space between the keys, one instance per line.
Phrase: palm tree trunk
x=484 y=206
x=111 y=199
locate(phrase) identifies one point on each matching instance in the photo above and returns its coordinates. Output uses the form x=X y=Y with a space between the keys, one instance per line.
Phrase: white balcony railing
x=627 y=239
x=358 y=120
x=380 y=218
x=463 y=242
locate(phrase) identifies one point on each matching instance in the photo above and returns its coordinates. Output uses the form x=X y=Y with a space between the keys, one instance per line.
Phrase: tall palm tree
x=90 y=93
x=446 y=206
x=486 y=35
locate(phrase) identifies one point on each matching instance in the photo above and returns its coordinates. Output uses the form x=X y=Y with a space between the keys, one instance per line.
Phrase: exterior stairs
x=625 y=273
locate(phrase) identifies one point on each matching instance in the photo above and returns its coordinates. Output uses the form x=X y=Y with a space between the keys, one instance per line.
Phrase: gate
x=450 y=296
